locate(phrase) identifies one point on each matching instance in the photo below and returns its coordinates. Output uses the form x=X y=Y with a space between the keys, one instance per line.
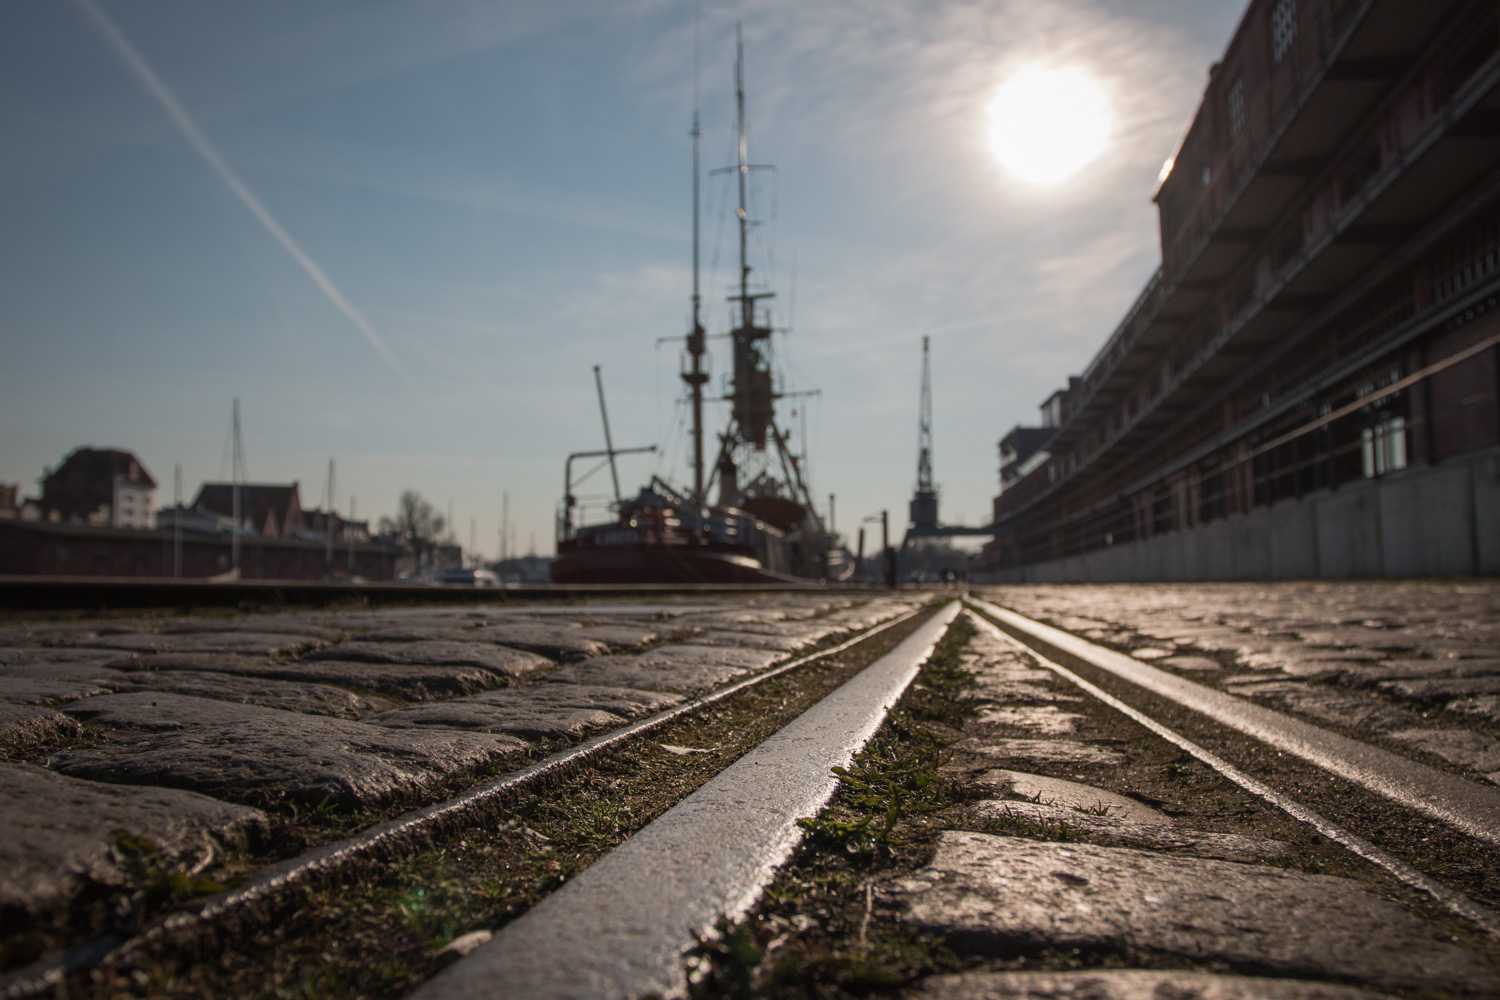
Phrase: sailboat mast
x=234 y=471
x=328 y=521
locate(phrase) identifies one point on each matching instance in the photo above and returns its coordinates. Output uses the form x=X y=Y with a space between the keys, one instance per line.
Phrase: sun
x=1048 y=122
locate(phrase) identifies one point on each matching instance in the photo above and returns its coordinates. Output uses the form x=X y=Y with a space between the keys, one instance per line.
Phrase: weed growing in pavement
x=1016 y=824
x=894 y=778
x=818 y=932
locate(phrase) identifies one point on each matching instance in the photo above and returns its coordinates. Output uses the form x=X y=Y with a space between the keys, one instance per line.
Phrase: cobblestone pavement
x=133 y=750
x=1083 y=857
x=1414 y=665
x=1099 y=862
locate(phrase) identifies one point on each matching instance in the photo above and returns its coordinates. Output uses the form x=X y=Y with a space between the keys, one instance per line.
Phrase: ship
x=763 y=526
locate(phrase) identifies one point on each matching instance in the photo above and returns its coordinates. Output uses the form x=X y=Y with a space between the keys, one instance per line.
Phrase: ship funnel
x=729 y=482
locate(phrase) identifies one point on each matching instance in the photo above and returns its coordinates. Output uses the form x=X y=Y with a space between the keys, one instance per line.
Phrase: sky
x=403 y=233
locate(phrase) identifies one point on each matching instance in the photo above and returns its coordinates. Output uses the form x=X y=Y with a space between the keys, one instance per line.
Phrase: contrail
x=206 y=149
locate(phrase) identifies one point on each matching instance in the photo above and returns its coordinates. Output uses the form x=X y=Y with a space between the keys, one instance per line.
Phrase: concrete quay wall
x=1441 y=520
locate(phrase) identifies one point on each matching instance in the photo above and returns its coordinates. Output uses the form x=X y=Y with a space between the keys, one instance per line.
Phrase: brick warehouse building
x=41 y=548
x=1307 y=387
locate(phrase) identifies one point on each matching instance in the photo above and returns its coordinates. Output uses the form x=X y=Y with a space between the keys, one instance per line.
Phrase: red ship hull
x=645 y=562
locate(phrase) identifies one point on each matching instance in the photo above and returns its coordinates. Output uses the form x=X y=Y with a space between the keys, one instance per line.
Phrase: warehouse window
x=1283 y=28
x=1236 y=108
x=1383 y=447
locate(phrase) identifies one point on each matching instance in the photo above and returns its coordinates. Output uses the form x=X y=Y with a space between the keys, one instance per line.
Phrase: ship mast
x=696 y=338
x=747 y=304
x=753 y=394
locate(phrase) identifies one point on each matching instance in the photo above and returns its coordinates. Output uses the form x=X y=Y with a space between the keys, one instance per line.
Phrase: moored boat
x=766 y=531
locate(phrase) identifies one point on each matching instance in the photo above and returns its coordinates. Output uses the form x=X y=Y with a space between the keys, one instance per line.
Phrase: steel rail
x=1471 y=808
x=387 y=839
x=1450 y=899
x=623 y=927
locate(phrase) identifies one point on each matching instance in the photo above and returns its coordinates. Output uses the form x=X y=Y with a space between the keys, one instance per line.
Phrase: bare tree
x=416 y=525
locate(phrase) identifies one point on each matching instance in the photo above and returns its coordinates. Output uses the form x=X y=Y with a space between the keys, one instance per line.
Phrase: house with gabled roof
x=101 y=486
x=271 y=510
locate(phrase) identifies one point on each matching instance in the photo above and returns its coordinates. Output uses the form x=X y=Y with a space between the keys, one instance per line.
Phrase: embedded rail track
x=1042 y=815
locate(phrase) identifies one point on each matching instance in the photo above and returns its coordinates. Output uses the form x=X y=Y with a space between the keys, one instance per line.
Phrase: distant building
x=45 y=548
x=1309 y=386
x=10 y=500
x=344 y=530
x=268 y=510
x=99 y=486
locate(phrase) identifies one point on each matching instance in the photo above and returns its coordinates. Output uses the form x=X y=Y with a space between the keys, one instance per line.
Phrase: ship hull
x=656 y=563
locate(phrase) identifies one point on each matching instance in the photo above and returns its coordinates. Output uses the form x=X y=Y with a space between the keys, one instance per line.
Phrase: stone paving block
x=74 y=673
x=751 y=640
x=1196 y=663
x=57 y=834
x=1042 y=692
x=314 y=699
x=162 y=711
x=1003 y=664
x=62 y=635
x=305 y=758
x=524 y=723
x=545 y=710
x=870 y=615
x=628 y=703
x=1071 y=794
x=1333 y=706
x=1457 y=746
x=1396 y=670
x=21 y=656
x=1046 y=719
x=559 y=640
x=1355 y=639
x=273 y=624
x=398 y=618
x=1309 y=664
x=561 y=711
x=23 y=727
x=723 y=656
x=811 y=630
x=409 y=682
x=249 y=643
x=1052 y=751
x=637 y=672
x=731 y=618
x=1127 y=984
x=419 y=632
x=620 y=634
x=1484 y=706
x=1441 y=689
x=414 y=682
x=1156 y=836
x=1003 y=895
x=499 y=660
x=46 y=691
